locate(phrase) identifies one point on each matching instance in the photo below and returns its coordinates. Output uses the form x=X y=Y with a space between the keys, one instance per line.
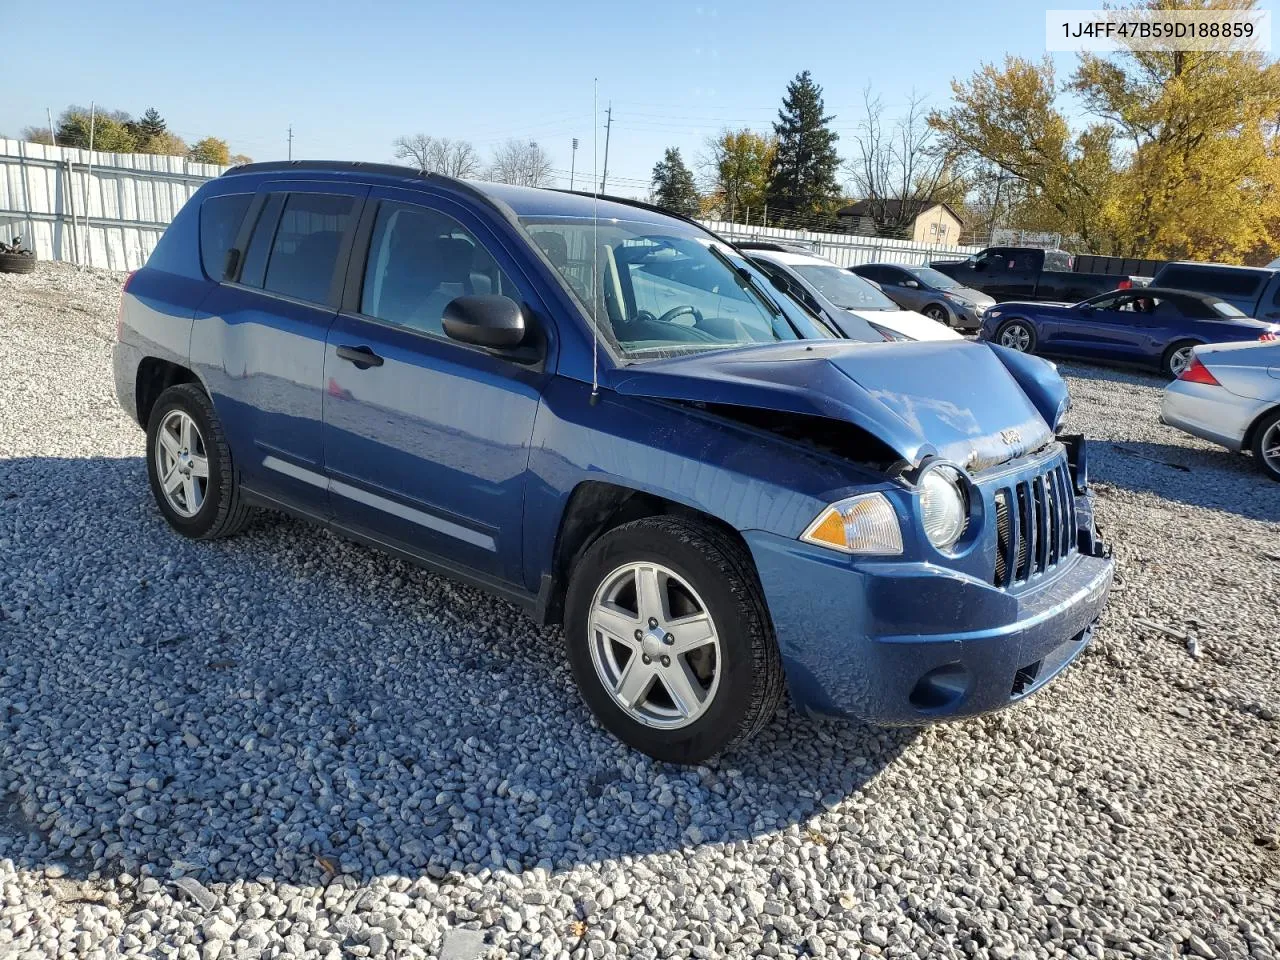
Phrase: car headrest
x=453 y=257
x=554 y=246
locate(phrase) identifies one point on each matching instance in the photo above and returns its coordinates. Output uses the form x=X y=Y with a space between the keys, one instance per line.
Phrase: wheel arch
x=155 y=376
x=593 y=508
x=1252 y=430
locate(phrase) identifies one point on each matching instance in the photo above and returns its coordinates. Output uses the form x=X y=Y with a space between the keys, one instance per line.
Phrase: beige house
x=935 y=223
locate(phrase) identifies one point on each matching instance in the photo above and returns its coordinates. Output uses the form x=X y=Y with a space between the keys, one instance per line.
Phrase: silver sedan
x=1230 y=395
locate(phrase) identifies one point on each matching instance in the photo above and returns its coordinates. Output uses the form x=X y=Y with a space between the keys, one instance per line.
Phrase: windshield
x=932 y=278
x=846 y=290
x=661 y=289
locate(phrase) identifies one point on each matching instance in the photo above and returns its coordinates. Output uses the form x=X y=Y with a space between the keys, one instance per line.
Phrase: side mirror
x=485 y=321
x=979 y=265
x=913 y=284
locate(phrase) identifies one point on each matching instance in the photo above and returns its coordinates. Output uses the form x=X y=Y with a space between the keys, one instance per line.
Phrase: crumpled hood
x=956 y=400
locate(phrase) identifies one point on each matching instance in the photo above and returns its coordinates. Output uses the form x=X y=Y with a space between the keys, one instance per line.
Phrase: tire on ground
x=17 y=263
x=223 y=512
x=1263 y=432
x=1031 y=332
x=720 y=570
x=1166 y=361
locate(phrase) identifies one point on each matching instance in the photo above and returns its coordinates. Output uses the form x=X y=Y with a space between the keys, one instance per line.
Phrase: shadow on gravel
x=1215 y=479
x=289 y=705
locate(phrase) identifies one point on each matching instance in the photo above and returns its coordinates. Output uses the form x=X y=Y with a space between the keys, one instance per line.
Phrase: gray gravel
x=287 y=746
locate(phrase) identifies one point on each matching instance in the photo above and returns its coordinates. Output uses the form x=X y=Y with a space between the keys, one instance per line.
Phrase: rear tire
x=189 y=465
x=734 y=680
x=1177 y=358
x=1017 y=335
x=1266 y=444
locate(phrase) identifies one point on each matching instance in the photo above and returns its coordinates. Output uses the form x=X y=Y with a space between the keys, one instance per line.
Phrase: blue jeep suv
x=604 y=414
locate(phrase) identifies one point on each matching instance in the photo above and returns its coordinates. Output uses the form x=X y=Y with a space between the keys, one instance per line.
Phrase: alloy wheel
x=182 y=463
x=1016 y=337
x=935 y=312
x=1179 y=360
x=1270 y=446
x=654 y=645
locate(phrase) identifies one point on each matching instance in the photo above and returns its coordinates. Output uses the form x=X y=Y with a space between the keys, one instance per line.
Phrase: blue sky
x=350 y=77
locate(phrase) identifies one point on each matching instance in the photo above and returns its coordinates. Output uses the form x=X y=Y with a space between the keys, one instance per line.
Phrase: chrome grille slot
x=1035 y=525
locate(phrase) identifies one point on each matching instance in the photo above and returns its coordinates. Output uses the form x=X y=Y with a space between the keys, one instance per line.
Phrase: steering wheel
x=679 y=312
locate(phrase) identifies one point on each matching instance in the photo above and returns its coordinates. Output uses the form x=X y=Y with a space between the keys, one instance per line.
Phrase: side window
x=1022 y=261
x=305 y=249
x=872 y=273
x=419 y=261
x=220 y=219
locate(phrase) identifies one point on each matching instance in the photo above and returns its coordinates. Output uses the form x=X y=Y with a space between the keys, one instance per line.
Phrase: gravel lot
x=286 y=745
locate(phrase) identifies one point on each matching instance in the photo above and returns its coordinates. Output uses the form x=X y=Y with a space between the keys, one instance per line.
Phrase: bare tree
x=899 y=169
x=453 y=158
x=520 y=162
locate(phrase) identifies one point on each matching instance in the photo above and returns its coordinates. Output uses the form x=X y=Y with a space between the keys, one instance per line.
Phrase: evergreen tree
x=151 y=125
x=802 y=181
x=673 y=186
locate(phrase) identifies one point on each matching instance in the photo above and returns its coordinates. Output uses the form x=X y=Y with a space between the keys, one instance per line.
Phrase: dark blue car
x=1151 y=327
x=599 y=412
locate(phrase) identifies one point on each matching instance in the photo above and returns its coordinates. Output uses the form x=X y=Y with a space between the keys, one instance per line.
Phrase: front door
x=426 y=439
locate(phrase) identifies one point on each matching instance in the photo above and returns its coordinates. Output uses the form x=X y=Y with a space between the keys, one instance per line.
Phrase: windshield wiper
x=748 y=283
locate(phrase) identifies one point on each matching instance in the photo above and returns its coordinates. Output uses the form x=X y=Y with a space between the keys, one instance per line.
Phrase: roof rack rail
x=352 y=166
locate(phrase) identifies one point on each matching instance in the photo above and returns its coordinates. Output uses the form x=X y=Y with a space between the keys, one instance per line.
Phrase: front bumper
x=909 y=643
x=1210 y=412
x=968 y=316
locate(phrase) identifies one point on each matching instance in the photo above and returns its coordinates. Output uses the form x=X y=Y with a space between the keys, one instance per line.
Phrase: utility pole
x=608 y=128
x=291 y=141
x=53 y=137
x=573 y=159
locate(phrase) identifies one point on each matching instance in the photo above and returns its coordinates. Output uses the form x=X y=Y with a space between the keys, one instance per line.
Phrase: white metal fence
x=100 y=210
x=846 y=249
x=109 y=209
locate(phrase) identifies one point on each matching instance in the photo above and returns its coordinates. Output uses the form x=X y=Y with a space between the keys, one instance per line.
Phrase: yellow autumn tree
x=1179 y=159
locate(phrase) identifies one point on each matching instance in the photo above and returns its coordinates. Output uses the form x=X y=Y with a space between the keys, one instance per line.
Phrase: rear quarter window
x=1215 y=280
x=220 y=219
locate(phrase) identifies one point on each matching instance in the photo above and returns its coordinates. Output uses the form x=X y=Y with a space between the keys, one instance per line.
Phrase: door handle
x=362 y=357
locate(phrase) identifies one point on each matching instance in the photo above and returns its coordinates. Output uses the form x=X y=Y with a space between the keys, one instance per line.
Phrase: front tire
x=1177 y=358
x=189 y=466
x=1017 y=335
x=1266 y=444
x=938 y=313
x=670 y=640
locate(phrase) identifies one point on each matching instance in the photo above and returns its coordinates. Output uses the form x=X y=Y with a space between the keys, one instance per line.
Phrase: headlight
x=862 y=524
x=944 y=508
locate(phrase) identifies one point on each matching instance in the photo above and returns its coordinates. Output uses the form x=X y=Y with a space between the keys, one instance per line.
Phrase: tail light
x=1268 y=337
x=120 y=314
x=1125 y=284
x=1197 y=372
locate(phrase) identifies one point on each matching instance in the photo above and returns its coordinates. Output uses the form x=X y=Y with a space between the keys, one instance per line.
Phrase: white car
x=1230 y=395
x=834 y=290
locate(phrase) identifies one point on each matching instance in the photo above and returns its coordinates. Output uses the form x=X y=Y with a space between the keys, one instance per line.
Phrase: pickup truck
x=1254 y=291
x=1028 y=273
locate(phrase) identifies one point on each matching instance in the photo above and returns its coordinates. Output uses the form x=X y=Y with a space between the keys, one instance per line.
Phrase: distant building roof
x=867 y=208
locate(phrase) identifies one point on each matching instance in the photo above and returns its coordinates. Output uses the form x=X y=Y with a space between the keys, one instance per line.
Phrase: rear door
x=259 y=338
x=427 y=439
